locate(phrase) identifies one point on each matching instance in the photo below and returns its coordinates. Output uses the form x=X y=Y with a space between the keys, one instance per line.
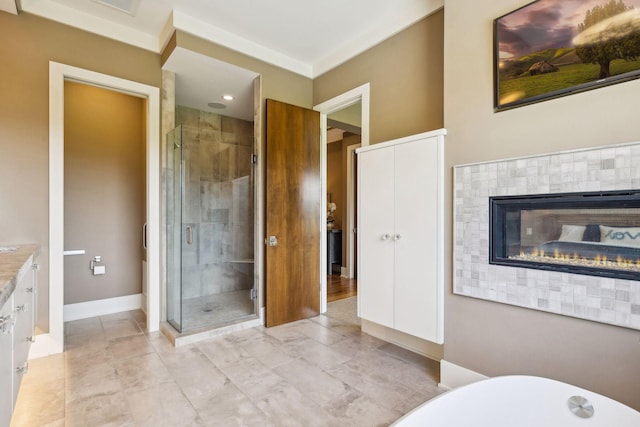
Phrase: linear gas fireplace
x=593 y=233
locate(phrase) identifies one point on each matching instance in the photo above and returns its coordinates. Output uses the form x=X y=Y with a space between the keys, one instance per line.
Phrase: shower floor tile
x=215 y=310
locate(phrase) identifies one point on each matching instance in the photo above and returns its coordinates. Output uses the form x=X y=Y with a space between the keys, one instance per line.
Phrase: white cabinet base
x=412 y=343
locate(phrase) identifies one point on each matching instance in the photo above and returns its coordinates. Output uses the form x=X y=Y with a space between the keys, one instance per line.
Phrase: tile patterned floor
x=318 y=372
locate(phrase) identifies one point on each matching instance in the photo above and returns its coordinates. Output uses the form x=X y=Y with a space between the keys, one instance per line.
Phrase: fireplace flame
x=598 y=261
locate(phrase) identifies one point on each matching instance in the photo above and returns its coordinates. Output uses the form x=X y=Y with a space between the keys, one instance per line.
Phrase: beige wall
x=28 y=46
x=405 y=73
x=104 y=191
x=496 y=339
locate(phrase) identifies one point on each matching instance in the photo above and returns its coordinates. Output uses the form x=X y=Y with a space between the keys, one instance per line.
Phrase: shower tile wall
x=218 y=203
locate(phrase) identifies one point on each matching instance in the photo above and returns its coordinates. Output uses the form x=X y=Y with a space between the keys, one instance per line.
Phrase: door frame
x=358 y=94
x=351 y=185
x=58 y=73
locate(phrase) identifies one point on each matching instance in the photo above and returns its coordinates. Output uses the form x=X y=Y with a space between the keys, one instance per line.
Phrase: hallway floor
x=340 y=287
x=318 y=372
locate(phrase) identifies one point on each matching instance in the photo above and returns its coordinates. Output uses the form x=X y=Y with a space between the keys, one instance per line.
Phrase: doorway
x=104 y=200
x=53 y=341
x=344 y=136
x=357 y=95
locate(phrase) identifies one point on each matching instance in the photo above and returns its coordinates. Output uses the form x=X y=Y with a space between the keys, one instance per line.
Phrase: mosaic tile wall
x=606 y=300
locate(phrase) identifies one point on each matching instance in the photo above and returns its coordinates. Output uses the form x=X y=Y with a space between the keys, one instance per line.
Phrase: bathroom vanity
x=17 y=320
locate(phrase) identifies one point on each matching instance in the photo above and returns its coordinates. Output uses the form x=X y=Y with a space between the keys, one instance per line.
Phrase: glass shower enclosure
x=210 y=188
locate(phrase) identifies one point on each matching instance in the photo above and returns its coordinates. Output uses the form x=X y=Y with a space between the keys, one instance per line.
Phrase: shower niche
x=210 y=220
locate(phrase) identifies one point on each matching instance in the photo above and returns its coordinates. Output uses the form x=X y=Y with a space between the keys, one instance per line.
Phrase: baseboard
x=454 y=376
x=101 y=307
x=409 y=342
x=43 y=346
x=344 y=272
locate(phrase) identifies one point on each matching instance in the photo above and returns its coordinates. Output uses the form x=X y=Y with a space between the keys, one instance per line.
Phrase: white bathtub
x=521 y=401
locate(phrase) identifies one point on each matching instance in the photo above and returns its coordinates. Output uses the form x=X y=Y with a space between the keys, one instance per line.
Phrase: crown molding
x=90 y=23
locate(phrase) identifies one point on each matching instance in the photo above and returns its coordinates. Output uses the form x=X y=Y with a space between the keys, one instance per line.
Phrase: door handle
x=73 y=252
x=189 y=235
x=144 y=236
x=273 y=241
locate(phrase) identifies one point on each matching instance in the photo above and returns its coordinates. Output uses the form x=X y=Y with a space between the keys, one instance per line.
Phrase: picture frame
x=552 y=48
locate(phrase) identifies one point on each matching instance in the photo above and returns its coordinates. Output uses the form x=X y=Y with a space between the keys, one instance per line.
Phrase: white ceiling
x=304 y=36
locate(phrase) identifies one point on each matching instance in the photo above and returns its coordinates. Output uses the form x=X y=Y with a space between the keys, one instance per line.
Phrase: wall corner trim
x=454 y=376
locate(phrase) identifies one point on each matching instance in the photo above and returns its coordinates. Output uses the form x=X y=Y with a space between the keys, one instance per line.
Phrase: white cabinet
x=17 y=324
x=400 y=234
x=24 y=329
x=6 y=362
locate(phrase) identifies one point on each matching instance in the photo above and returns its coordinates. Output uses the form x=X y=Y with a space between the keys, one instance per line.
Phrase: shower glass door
x=210 y=222
x=174 y=227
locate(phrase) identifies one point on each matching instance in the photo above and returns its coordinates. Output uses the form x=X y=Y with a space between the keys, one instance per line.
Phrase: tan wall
x=497 y=339
x=28 y=46
x=104 y=191
x=405 y=73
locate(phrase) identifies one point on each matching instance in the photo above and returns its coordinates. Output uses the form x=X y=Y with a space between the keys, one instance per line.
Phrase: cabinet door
x=416 y=237
x=6 y=366
x=375 y=230
x=24 y=329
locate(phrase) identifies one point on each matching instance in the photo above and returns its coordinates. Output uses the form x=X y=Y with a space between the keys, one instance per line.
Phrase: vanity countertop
x=11 y=263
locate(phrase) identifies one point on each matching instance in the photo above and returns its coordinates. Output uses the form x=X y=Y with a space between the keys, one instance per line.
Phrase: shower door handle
x=189 y=235
x=144 y=236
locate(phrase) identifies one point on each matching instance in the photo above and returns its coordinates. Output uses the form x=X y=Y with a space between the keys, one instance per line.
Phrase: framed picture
x=553 y=48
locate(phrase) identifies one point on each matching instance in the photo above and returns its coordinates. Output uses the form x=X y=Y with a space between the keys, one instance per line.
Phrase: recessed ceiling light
x=227 y=97
x=218 y=105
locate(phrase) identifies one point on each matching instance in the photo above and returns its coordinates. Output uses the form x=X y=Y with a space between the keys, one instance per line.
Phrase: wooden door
x=293 y=200
x=375 y=235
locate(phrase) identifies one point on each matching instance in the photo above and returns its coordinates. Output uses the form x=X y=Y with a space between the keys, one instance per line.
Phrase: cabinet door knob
x=22 y=369
x=397 y=237
x=385 y=236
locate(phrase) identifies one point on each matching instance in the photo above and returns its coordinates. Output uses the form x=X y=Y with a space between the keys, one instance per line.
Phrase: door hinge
x=253 y=294
x=254 y=159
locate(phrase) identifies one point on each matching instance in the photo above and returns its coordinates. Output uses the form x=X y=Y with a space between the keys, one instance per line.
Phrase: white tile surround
x=606 y=300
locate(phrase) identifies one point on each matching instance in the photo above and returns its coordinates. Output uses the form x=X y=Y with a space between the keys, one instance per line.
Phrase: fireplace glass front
x=585 y=233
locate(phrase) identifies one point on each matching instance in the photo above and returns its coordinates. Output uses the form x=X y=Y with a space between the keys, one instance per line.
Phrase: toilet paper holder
x=96 y=266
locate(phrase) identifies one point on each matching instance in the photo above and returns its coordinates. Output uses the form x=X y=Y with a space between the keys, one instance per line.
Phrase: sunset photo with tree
x=552 y=48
